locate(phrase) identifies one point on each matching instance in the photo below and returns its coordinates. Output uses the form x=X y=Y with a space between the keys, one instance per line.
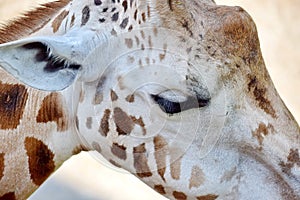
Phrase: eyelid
x=172 y=107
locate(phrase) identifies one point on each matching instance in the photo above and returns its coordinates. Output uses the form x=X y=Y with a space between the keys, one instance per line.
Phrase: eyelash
x=171 y=107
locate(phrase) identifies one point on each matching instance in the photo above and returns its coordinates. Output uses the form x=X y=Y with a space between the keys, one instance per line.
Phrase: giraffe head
x=169 y=90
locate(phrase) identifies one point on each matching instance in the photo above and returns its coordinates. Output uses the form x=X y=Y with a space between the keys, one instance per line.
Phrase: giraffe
x=175 y=92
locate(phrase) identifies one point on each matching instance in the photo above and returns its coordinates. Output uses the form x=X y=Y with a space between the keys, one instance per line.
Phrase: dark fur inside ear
x=54 y=63
x=42 y=54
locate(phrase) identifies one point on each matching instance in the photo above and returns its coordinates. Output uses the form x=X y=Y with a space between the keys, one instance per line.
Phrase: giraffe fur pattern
x=174 y=91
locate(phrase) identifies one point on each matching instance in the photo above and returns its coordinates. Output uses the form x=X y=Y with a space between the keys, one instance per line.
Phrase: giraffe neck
x=35 y=128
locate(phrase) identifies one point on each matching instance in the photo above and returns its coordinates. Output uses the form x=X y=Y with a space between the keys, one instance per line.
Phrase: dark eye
x=172 y=107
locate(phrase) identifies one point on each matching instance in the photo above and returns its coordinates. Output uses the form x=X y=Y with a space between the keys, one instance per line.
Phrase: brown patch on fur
x=160 y=189
x=123 y=122
x=161 y=151
x=261 y=132
x=141 y=161
x=119 y=151
x=129 y=43
x=96 y=146
x=40 y=160
x=176 y=168
x=292 y=160
x=52 y=110
x=139 y=122
x=162 y=56
x=197 y=177
x=259 y=93
x=8 y=196
x=130 y=98
x=179 y=195
x=72 y=21
x=31 y=21
x=104 y=124
x=89 y=122
x=115 y=164
x=79 y=149
x=208 y=197
x=1 y=165
x=58 y=20
x=12 y=104
x=113 y=95
x=85 y=15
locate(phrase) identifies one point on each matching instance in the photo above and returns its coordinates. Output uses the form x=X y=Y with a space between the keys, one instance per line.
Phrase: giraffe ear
x=38 y=63
x=46 y=63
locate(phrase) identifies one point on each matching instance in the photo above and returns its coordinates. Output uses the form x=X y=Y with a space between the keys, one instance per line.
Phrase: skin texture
x=251 y=119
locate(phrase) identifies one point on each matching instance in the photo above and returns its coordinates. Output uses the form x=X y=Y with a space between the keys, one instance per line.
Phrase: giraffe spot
x=261 y=132
x=72 y=21
x=85 y=15
x=96 y=146
x=8 y=196
x=175 y=168
x=259 y=93
x=79 y=149
x=1 y=165
x=292 y=160
x=160 y=154
x=141 y=161
x=144 y=17
x=162 y=56
x=124 y=23
x=58 y=20
x=119 y=151
x=130 y=98
x=129 y=42
x=52 y=110
x=40 y=160
x=179 y=195
x=207 y=197
x=104 y=124
x=155 y=31
x=197 y=177
x=123 y=122
x=12 y=104
x=139 y=122
x=89 y=122
x=115 y=164
x=130 y=28
x=97 y=2
x=113 y=95
x=125 y=5
x=99 y=91
x=115 y=17
x=150 y=42
x=160 y=189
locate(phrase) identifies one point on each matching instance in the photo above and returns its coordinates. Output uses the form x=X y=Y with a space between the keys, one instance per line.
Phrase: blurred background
x=85 y=177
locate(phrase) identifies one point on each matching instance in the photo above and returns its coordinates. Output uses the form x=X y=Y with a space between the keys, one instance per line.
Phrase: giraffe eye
x=173 y=107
